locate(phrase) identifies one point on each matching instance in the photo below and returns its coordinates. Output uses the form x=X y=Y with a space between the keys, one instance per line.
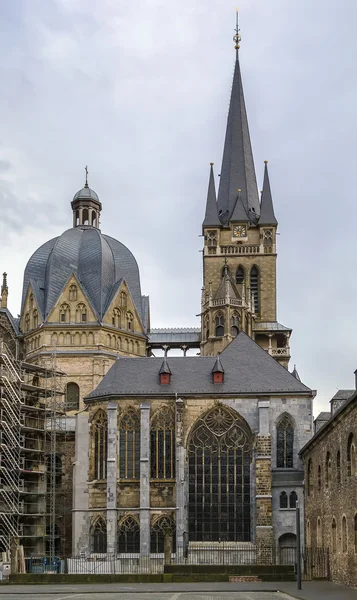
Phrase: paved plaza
x=154 y=596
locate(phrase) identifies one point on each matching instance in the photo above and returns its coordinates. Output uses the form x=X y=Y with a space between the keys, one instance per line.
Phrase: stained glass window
x=163 y=444
x=100 y=437
x=219 y=454
x=99 y=537
x=129 y=445
x=285 y=443
x=129 y=535
x=162 y=527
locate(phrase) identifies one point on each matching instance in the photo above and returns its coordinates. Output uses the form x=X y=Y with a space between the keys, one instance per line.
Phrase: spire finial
x=4 y=291
x=86 y=170
x=237 y=38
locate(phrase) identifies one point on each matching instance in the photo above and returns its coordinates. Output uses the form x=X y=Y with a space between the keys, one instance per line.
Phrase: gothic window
x=116 y=318
x=351 y=456
x=268 y=240
x=81 y=313
x=310 y=480
x=31 y=301
x=319 y=478
x=64 y=313
x=162 y=446
x=206 y=328
x=234 y=324
x=72 y=396
x=123 y=299
x=130 y=321
x=338 y=467
x=219 y=456
x=219 y=325
x=225 y=271
x=344 y=534
x=283 y=500
x=334 y=535
x=35 y=319
x=162 y=527
x=318 y=533
x=254 y=287
x=99 y=440
x=285 y=443
x=212 y=242
x=94 y=218
x=327 y=470
x=77 y=217
x=129 y=445
x=129 y=535
x=72 y=295
x=293 y=499
x=27 y=322
x=99 y=537
x=240 y=275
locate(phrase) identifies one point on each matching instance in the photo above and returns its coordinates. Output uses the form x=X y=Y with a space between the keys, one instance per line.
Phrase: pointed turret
x=296 y=374
x=211 y=217
x=238 y=170
x=267 y=216
x=4 y=291
x=217 y=367
x=239 y=213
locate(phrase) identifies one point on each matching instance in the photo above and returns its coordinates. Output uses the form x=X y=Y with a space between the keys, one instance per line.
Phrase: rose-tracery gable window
x=116 y=318
x=99 y=443
x=129 y=535
x=81 y=313
x=129 y=445
x=162 y=447
x=64 y=313
x=285 y=443
x=72 y=293
x=99 y=536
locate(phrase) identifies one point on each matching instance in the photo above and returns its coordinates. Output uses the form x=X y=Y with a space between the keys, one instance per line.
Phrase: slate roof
x=211 y=217
x=181 y=335
x=249 y=370
x=267 y=216
x=237 y=170
x=343 y=395
x=270 y=326
x=86 y=192
x=323 y=416
x=98 y=261
x=14 y=321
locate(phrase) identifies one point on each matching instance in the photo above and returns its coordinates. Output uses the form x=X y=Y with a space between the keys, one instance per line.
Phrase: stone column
x=264 y=515
x=112 y=526
x=80 y=513
x=180 y=479
x=145 y=479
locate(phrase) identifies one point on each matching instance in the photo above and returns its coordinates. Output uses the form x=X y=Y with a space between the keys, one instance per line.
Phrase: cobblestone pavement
x=151 y=596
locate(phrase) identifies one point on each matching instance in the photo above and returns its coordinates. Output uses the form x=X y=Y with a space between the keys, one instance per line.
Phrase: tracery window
x=293 y=499
x=123 y=299
x=27 y=322
x=351 y=456
x=212 y=242
x=254 y=287
x=219 y=455
x=219 y=323
x=100 y=440
x=64 y=313
x=129 y=445
x=162 y=527
x=344 y=534
x=334 y=535
x=240 y=275
x=116 y=318
x=206 y=328
x=310 y=481
x=129 y=535
x=99 y=537
x=327 y=470
x=35 y=319
x=268 y=241
x=283 y=500
x=81 y=313
x=72 y=295
x=285 y=443
x=162 y=444
x=234 y=324
x=129 y=321
x=338 y=466
x=72 y=396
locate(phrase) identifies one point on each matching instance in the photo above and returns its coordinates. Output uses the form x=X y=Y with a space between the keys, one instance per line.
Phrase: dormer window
x=165 y=378
x=218 y=371
x=165 y=373
x=217 y=377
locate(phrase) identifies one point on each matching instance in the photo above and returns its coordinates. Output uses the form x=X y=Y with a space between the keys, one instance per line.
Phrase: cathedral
x=171 y=452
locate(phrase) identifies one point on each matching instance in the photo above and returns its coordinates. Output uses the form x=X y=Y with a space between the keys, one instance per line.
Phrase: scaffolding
x=31 y=408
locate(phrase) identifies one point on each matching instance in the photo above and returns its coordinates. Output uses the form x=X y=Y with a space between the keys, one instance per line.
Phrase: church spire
x=238 y=170
x=267 y=216
x=4 y=291
x=211 y=217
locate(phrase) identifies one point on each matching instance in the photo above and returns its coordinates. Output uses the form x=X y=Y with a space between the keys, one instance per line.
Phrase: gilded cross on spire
x=237 y=38
x=86 y=170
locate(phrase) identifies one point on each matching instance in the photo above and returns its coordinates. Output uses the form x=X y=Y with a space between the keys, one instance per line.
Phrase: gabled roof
x=267 y=216
x=211 y=217
x=239 y=212
x=14 y=321
x=249 y=370
x=218 y=367
x=237 y=170
x=165 y=369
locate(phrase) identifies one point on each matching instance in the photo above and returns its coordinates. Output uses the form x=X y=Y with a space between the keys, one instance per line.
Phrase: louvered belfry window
x=285 y=443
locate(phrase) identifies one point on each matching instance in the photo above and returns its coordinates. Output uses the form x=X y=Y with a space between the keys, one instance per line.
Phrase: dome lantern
x=86 y=207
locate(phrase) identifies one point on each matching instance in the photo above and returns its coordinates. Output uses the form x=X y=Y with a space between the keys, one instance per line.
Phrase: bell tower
x=239 y=254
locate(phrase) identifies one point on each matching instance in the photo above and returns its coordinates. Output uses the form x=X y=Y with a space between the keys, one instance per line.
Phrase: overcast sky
x=139 y=91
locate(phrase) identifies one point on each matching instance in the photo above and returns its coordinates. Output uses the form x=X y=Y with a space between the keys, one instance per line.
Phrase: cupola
x=218 y=371
x=165 y=373
x=86 y=207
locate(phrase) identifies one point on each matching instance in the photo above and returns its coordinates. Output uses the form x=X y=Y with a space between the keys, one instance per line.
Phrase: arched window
x=64 y=313
x=72 y=396
x=240 y=275
x=293 y=499
x=85 y=217
x=254 y=287
x=327 y=470
x=285 y=443
x=206 y=328
x=344 y=534
x=355 y=532
x=225 y=271
x=94 y=218
x=219 y=456
x=234 y=324
x=334 y=535
x=27 y=322
x=318 y=533
x=319 y=478
x=338 y=466
x=99 y=537
x=81 y=313
x=351 y=456
x=129 y=445
x=219 y=322
x=162 y=445
x=35 y=319
x=116 y=318
x=99 y=441
x=283 y=500
x=310 y=480
x=130 y=321
x=129 y=535
x=162 y=527
x=77 y=217
x=308 y=534
x=31 y=301
x=72 y=293
x=123 y=299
